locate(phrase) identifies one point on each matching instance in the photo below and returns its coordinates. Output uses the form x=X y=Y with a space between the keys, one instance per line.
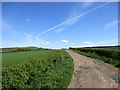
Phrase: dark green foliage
x=106 y=55
x=103 y=47
x=102 y=52
x=54 y=71
x=20 y=49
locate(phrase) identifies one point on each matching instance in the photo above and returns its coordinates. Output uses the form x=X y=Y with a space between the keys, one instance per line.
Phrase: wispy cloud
x=29 y=40
x=9 y=27
x=65 y=41
x=72 y=19
x=107 y=42
x=27 y=19
x=111 y=42
x=47 y=42
x=86 y=42
x=88 y=4
x=73 y=43
x=24 y=44
x=59 y=30
x=28 y=37
x=111 y=24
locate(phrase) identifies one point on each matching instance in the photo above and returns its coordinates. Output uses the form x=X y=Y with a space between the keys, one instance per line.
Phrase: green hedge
x=109 y=56
x=54 y=71
x=113 y=54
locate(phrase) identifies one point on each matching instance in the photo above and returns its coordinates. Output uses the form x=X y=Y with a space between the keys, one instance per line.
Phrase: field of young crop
x=106 y=54
x=53 y=70
x=18 y=57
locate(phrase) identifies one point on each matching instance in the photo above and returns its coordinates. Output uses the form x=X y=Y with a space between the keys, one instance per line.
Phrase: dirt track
x=92 y=73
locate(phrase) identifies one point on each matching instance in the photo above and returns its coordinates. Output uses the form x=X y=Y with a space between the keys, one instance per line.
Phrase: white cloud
x=88 y=4
x=28 y=40
x=111 y=24
x=28 y=37
x=107 y=42
x=9 y=27
x=86 y=42
x=111 y=42
x=66 y=41
x=27 y=19
x=73 y=43
x=47 y=42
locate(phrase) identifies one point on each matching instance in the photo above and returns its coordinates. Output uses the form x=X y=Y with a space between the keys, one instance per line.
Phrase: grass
x=9 y=59
x=53 y=71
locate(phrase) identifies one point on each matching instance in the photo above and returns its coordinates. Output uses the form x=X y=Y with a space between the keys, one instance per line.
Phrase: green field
x=37 y=69
x=18 y=57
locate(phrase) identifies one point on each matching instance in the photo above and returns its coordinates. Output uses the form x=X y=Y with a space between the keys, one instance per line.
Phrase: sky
x=59 y=24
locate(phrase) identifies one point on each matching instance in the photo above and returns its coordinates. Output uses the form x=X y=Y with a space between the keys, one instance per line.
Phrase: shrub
x=106 y=55
x=54 y=71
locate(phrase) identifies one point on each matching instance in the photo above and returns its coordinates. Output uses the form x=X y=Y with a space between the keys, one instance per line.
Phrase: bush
x=113 y=54
x=54 y=71
x=108 y=56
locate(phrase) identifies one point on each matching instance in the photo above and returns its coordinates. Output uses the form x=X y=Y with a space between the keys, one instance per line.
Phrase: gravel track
x=92 y=73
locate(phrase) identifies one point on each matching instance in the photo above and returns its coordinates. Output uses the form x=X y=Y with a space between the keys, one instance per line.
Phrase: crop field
x=109 y=55
x=17 y=57
x=37 y=69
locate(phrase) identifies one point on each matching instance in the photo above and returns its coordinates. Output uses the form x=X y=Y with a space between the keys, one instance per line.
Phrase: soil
x=92 y=73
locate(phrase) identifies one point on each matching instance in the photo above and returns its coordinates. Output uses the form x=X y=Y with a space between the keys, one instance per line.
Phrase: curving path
x=92 y=73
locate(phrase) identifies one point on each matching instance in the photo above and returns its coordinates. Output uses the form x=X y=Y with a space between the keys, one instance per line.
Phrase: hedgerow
x=54 y=71
x=106 y=55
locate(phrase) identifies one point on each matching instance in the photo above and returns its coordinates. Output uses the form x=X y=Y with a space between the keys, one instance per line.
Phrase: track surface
x=92 y=73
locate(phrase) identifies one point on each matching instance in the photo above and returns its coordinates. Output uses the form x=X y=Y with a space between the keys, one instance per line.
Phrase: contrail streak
x=70 y=20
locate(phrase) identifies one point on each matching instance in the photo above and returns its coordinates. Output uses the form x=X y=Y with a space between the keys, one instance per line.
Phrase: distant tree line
x=10 y=50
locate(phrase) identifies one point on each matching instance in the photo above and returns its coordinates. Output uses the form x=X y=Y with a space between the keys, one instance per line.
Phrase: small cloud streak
x=65 y=41
x=70 y=20
x=60 y=30
x=27 y=19
x=28 y=37
x=111 y=42
x=87 y=42
x=73 y=43
x=47 y=42
x=111 y=24
x=88 y=4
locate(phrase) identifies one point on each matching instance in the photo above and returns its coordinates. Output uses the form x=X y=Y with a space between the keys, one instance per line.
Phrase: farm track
x=92 y=73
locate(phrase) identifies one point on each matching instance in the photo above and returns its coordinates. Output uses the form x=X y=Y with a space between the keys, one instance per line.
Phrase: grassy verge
x=115 y=63
x=54 y=71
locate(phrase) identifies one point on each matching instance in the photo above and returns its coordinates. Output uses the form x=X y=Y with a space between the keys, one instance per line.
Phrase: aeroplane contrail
x=87 y=12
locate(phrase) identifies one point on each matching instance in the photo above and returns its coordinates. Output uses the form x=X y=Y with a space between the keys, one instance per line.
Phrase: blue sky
x=43 y=24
